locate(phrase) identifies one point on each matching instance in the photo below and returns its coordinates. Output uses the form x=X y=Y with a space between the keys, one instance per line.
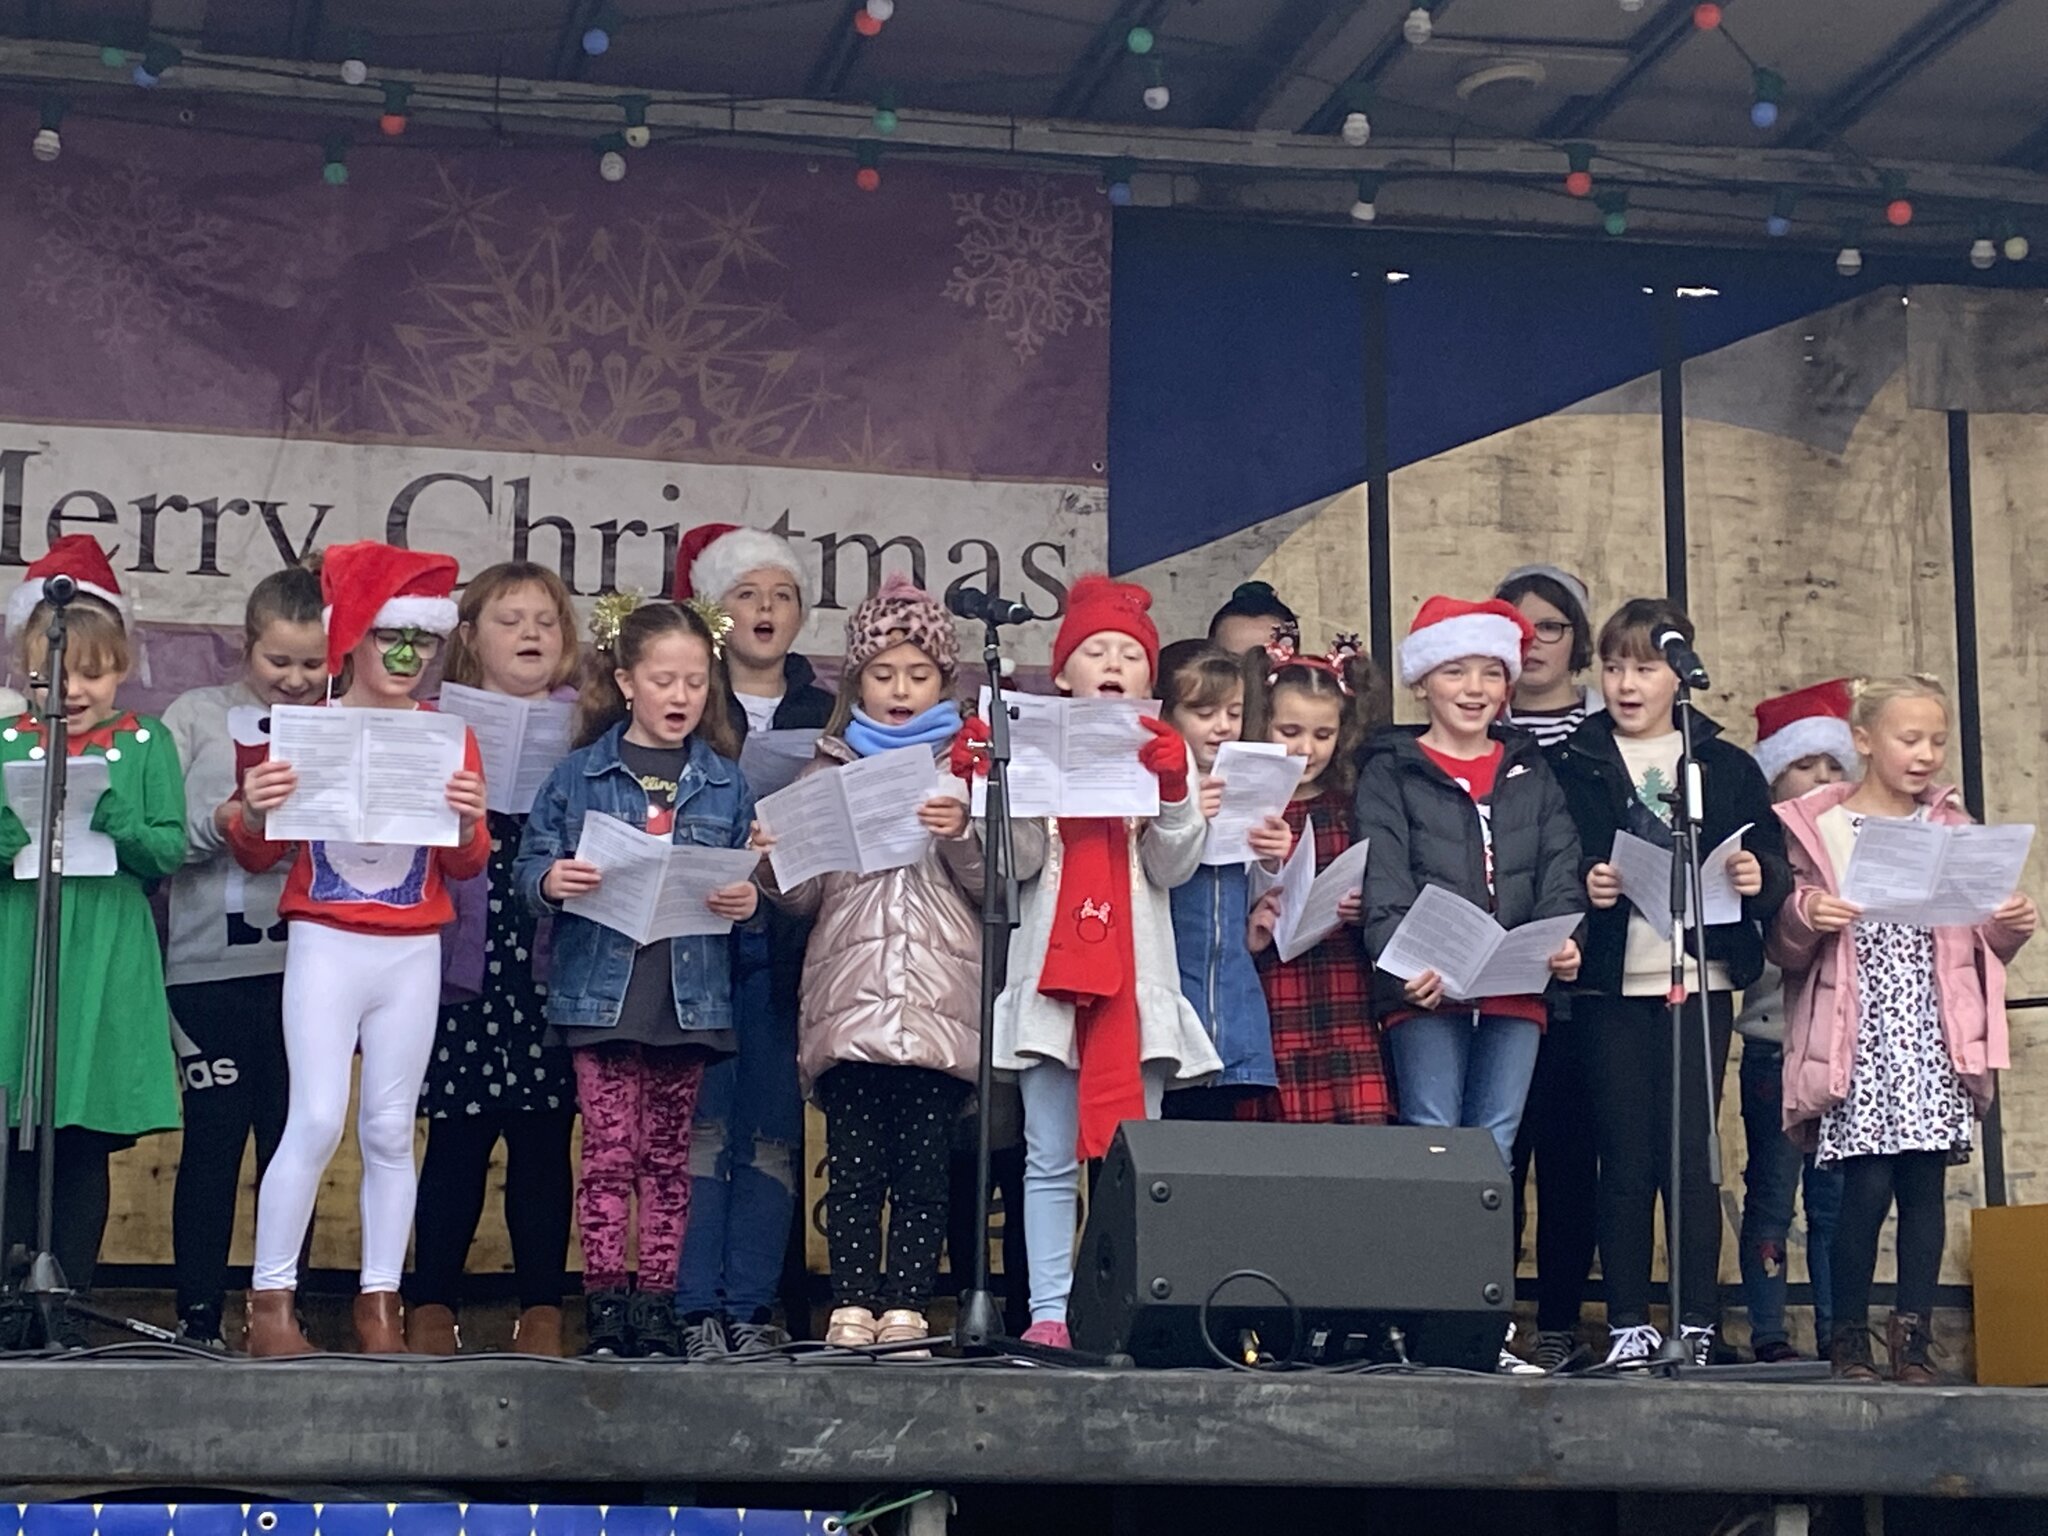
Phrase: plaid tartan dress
x=1325 y=1045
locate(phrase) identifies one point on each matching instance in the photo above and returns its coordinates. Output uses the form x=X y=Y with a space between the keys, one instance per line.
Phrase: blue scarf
x=938 y=724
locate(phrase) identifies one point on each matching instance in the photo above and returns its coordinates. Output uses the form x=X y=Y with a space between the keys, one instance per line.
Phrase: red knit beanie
x=1095 y=604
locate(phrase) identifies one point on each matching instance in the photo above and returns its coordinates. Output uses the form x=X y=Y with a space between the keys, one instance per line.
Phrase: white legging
x=1052 y=1175
x=342 y=990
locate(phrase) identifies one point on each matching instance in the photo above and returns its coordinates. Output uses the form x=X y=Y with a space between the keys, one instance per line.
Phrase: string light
x=113 y=56
x=355 y=69
x=158 y=60
x=611 y=156
x=1579 y=178
x=1706 y=15
x=865 y=24
x=47 y=145
x=1849 y=259
x=1631 y=6
x=1418 y=28
x=1116 y=182
x=635 y=108
x=1366 y=207
x=881 y=10
x=869 y=156
x=597 y=37
x=1156 y=94
x=1614 y=212
x=1898 y=208
x=1356 y=129
x=335 y=171
x=885 y=112
x=1767 y=86
x=1983 y=253
x=1139 y=40
x=1779 y=224
x=2016 y=246
x=396 y=94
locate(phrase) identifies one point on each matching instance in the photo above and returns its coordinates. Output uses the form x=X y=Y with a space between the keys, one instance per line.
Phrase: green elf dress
x=115 y=1069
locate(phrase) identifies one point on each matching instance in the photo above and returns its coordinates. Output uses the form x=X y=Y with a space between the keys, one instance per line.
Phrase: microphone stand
x=45 y=1288
x=1688 y=916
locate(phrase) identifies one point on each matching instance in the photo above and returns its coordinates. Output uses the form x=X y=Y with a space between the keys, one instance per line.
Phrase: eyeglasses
x=420 y=640
x=1551 y=630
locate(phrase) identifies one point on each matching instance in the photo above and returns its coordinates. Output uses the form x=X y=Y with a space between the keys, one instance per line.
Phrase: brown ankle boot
x=380 y=1323
x=538 y=1332
x=273 y=1327
x=430 y=1330
x=1849 y=1354
x=1907 y=1341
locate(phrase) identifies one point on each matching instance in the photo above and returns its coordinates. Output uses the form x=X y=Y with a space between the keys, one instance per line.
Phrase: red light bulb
x=865 y=24
x=1898 y=212
x=391 y=124
x=1579 y=183
x=867 y=178
x=1706 y=15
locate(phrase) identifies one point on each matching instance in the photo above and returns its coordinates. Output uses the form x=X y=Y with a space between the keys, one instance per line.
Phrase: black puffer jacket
x=1603 y=802
x=1425 y=830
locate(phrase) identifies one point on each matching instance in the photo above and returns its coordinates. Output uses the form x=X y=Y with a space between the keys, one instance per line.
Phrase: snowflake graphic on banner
x=542 y=332
x=126 y=256
x=1034 y=259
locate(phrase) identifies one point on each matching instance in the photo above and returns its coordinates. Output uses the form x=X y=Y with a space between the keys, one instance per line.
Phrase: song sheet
x=1645 y=871
x=1075 y=757
x=1930 y=876
x=1473 y=954
x=366 y=775
x=654 y=888
x=771 y=760
x=85 y=853
x=861 y=817
x=1308 y=901
x=1258 y=778
x=519 y=740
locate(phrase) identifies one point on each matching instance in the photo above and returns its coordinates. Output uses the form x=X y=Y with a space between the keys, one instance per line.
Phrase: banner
x=217 y=361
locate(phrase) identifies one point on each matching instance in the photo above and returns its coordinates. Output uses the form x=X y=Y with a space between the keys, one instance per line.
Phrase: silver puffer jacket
x=893 y=970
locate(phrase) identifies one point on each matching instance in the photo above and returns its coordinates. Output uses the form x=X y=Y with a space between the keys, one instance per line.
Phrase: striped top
x=1549 y=726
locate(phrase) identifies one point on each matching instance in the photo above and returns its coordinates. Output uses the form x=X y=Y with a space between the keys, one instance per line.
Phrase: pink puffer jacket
x=1820 y=975
x=892 y=973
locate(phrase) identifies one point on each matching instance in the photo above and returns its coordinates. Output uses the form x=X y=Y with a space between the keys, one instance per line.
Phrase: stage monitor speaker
x=1391 y=1242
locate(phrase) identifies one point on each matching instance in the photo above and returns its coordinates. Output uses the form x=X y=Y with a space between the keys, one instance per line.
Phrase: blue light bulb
x=1777 y=225
x=1763 y=114
x=1120 y=194
x=596 y=41
x=143 y=77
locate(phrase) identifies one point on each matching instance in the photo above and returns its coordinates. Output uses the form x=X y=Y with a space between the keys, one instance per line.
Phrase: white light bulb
x=612 y=166
x=1631 y=6
x=1157 y=96
x=881 y=10
x=1418 y=27
x=1357 y=129
x=1849 y=262
x=1365 y=212
x=354 y=72
x=2016 y=248
x=46 y=145
x=637 y=136
x=1983 y=253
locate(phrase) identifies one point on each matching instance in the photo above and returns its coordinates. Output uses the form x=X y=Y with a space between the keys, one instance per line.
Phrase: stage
x=771 y=1433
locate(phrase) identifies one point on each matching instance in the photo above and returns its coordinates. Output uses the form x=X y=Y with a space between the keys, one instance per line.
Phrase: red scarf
x=1090 y=962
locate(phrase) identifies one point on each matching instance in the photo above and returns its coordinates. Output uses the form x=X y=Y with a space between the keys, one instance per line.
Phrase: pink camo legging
x=637 y=1106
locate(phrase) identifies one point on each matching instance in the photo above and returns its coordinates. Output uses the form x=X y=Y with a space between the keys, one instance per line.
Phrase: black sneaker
x=704 y=1338
x=605 y=1323
x=1777 y=1352
x=1556 y=1348
x=1699 y=1343
x=199 y=1326
x=759 y=1336
x=651 y=1318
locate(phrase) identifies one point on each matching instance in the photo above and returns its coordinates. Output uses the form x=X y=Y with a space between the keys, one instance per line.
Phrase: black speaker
x=1390 y=1243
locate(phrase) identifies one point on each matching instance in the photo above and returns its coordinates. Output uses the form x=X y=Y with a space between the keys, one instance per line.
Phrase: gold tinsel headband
x=715 y=618
x=609 y=612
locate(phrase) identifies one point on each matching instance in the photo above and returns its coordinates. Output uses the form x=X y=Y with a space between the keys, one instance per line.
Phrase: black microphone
x=59 y=590
x=987 y=608
x=1681 y=658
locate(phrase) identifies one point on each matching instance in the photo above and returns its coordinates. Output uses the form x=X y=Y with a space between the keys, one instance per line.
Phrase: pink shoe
x=1054 y=1334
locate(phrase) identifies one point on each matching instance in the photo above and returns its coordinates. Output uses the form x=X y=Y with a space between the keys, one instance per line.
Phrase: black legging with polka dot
x=887 y=1134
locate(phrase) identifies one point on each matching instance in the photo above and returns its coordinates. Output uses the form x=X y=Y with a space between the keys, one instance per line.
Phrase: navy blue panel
x=1236 y=351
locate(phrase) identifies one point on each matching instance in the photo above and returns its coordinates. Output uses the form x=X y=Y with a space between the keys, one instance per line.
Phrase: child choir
x=483 y=993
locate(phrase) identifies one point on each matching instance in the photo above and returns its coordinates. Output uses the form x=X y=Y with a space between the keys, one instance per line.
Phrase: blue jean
x=1456 y=1069
x=1770 y=1179
x=743 y=1166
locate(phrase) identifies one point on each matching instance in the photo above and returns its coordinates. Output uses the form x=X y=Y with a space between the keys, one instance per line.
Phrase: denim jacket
x=591 y=963
x=1217 y=974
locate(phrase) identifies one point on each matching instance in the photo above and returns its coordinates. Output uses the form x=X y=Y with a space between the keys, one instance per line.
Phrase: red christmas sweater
x=365 y=887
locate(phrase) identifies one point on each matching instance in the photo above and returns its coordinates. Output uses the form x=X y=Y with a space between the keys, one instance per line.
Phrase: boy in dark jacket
x=747 y=1141
x=1617 y=769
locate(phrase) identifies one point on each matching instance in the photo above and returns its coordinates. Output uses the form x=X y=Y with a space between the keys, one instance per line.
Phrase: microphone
x=987 y=608
x=1681 y=658
x=59 y=590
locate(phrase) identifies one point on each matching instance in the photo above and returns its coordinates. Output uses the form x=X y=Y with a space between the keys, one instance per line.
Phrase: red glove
x=1166 y=754
x=970 y=748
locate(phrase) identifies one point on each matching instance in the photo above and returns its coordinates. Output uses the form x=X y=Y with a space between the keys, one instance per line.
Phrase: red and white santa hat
x=371 y=585
x=1809 y=722
x=713 y=558
x=79 y=556
x=1449 y=628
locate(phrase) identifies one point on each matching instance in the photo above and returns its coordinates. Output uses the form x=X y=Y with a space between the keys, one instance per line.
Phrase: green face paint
x=402 y=658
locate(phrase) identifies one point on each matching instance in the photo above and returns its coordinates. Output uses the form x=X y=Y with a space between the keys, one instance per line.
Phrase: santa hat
x=370 y=586
x=1449 y=628
x=1558 y=574
x=1810 y=722
x=79 y=556
x=1096 y=604
x=713 y=558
